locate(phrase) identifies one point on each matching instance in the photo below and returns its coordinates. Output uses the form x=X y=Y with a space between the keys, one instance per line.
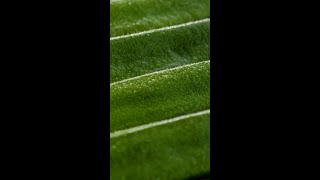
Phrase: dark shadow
x=202 y=176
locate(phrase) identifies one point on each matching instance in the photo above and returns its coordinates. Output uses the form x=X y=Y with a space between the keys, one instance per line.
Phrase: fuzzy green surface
x=134 y=56
x=178 y=150
x=160 y=96
x=131 y=16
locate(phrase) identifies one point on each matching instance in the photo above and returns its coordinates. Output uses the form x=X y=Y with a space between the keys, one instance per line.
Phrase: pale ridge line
x=158 y=72
x=160 y=29
x=154 y=124
x=115 y=1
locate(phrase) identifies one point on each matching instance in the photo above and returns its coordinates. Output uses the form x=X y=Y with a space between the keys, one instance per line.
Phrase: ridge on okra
x=174 y=151
x=132 y=16
x=134 y=56
x=160 y=96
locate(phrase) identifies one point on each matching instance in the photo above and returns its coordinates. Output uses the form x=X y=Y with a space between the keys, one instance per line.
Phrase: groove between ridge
x=158 y=123
x=158 y=72
x=160 y=29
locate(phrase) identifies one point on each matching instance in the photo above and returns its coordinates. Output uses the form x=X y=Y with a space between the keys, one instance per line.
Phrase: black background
x=55 y=115
x=264 y=90
x=56 y=74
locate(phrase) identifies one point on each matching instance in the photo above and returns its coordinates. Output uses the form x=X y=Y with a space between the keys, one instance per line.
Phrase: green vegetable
x=174 y=151
x=156 y=51
x=160 y=96
x=131 y=16
x=160 y=89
